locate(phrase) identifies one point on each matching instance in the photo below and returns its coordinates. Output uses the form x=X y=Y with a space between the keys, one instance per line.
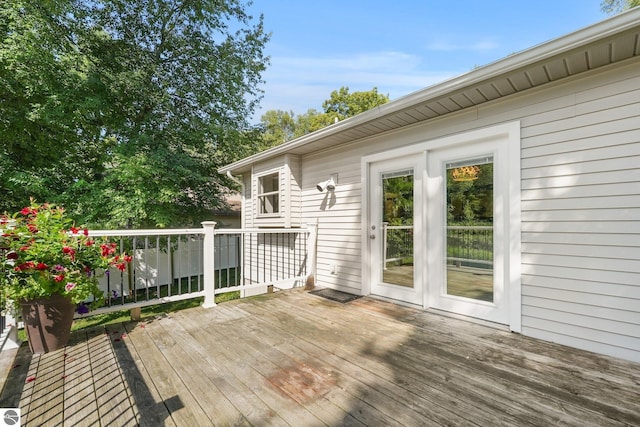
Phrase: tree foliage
x=617 y=6
x=280 y=126
x=470 y=202
x=122 y=110
x=343 y=104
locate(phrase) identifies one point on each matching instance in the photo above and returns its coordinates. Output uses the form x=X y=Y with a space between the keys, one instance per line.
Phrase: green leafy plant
x=43 y=253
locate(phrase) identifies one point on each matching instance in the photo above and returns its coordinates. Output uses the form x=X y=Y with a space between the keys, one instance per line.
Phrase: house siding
x=338 y=217
x=581 y=218
x=580 y=191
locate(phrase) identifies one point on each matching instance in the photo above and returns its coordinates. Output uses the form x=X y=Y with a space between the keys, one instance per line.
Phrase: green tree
x=280 y=126
x=122 y=110
x=617 y=6
x=343 y=104
x=277 y=127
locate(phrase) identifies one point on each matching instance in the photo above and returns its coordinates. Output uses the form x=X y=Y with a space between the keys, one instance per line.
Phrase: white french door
x=466 y=225
x=442 y=224
x=394 y=230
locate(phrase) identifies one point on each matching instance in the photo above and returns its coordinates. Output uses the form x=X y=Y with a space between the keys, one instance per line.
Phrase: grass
x=223 y=279
x=148 y=311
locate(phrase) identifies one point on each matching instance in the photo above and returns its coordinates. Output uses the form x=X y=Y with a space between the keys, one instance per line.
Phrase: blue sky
x=398 y=46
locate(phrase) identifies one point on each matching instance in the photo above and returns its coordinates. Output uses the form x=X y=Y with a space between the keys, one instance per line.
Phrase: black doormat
x=334 y=295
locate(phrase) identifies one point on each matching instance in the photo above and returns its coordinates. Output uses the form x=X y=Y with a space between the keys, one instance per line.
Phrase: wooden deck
x=296 y=359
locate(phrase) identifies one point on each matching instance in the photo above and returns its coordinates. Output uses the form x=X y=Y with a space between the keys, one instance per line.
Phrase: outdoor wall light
x=328 y=185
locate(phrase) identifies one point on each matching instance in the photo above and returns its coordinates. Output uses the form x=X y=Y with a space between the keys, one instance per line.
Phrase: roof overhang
x=607 y=42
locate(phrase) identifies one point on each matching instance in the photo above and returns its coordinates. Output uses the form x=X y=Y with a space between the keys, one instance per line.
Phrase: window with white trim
x=269 y=194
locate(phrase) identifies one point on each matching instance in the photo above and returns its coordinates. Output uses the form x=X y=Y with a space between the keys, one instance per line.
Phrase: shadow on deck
x=296 y=359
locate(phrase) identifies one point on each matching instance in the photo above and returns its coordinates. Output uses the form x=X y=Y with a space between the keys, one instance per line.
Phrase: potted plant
x=48 y=268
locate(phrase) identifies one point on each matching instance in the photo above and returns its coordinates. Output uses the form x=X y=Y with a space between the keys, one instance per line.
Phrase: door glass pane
x=397 y=228
x=469 y=228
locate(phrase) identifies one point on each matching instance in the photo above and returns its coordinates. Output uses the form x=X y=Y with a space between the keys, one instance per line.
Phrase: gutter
x=242 y=200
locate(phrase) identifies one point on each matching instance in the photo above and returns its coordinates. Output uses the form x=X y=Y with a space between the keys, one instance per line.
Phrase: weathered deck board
x=295 y=359
x=236 y=358
x=148 y=408
x=224 y=371
x=381 y=345
x=113 y=396
x=47 y=397
x=79 y=395
x=174 y=392
x=302 y=380
x=356 y=372
x=206 y=395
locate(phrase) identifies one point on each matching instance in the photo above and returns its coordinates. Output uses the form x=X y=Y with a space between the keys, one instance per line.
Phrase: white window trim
x=260 y=214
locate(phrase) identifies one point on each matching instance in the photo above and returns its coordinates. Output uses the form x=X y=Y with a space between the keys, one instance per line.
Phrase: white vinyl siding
x=338 y=216
x=580 y=193
x=581 y=220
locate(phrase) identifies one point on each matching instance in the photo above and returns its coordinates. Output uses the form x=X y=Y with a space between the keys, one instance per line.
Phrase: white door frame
x=365 y=169
x=507 y=138
x=415 y=294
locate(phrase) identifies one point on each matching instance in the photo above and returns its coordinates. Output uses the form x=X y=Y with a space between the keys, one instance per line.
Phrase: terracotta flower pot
x=47 y=322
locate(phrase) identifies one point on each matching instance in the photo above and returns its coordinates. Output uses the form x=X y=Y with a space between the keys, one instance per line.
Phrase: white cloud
x=300 y=83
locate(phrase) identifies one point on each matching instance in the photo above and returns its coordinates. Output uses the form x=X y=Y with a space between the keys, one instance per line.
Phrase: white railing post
x=311 y=255
x=209 y=270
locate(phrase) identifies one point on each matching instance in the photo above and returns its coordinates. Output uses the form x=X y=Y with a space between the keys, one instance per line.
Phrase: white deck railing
x=177 y=264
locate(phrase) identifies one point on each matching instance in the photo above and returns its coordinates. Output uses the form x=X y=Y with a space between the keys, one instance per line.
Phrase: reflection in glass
x=469 y=228
x=397 y=228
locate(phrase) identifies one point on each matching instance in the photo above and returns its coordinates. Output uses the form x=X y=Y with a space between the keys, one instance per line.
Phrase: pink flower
x=69 y=286
x=58 y=278
x=75 y=230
